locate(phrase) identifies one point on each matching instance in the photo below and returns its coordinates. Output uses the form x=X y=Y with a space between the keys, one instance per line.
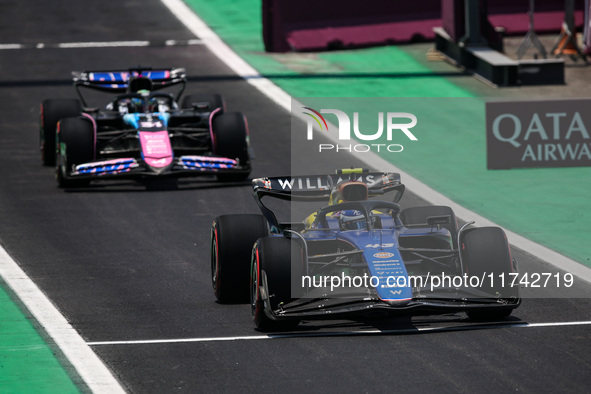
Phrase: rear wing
x=116 y=81
x=319 y=187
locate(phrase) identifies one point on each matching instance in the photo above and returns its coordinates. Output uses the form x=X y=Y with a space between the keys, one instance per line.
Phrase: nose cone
x=156 y=148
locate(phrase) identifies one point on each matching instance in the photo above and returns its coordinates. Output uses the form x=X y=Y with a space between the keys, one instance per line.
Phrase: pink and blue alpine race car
x=144 y=131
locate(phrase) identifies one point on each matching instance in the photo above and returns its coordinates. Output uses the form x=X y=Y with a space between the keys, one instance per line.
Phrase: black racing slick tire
x=275 y=261
x=419 y=215
x=205 y=102
x=76 y=145
x=50 y=113
x=230 y=131
x=486 y=254
x=232 y=238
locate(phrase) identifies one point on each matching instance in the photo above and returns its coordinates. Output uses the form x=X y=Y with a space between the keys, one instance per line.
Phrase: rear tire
x=231 y=140
x=485 y=251
x=232 y=238
x=277 y=259
x=51 y=112
x=213 y=100
x=75 y=140
x=419 y=215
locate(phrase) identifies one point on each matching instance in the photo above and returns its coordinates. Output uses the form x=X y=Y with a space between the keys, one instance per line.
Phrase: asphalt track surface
x=122 y=263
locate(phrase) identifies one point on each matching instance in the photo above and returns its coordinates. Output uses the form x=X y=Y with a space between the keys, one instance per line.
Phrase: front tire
x=232 y=237
x=50 y=113
x=485 y=251
x=275 y=261
x=76 y=145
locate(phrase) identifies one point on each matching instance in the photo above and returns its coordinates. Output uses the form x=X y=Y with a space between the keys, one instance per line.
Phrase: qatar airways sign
x=538 y=134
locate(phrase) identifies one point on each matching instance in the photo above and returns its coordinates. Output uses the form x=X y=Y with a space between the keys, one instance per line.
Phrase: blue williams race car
x=347 y=250
x=143 y=131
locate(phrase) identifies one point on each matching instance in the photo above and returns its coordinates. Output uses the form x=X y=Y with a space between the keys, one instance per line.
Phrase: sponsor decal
x=538 y=134
x=158 y=162
x=383 y=245
x=319 y=182
x=383 y=255
x=148 y=124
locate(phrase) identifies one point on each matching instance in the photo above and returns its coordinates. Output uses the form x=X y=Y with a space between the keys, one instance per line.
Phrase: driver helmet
x=350 y=219
x=141 y=85
x=135 y=105
x=349 y=191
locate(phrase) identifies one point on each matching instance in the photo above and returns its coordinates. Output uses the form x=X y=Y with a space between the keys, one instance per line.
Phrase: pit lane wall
x=310 y=25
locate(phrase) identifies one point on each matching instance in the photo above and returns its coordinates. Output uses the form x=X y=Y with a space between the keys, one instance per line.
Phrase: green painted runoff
x=27 y=363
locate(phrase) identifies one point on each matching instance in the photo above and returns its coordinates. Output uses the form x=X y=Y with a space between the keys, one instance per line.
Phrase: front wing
x=183 y=166
x=366 y=303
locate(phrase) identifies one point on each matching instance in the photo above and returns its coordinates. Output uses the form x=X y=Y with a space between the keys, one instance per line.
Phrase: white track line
x=11 y=46
x=101 y=44
x=345 y=333
x=253 y=77
x=90 y=368
x=106 y=44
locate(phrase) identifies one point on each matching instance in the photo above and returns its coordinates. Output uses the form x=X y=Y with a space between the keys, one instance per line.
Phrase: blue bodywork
x=381 y=255
x=133 y=120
